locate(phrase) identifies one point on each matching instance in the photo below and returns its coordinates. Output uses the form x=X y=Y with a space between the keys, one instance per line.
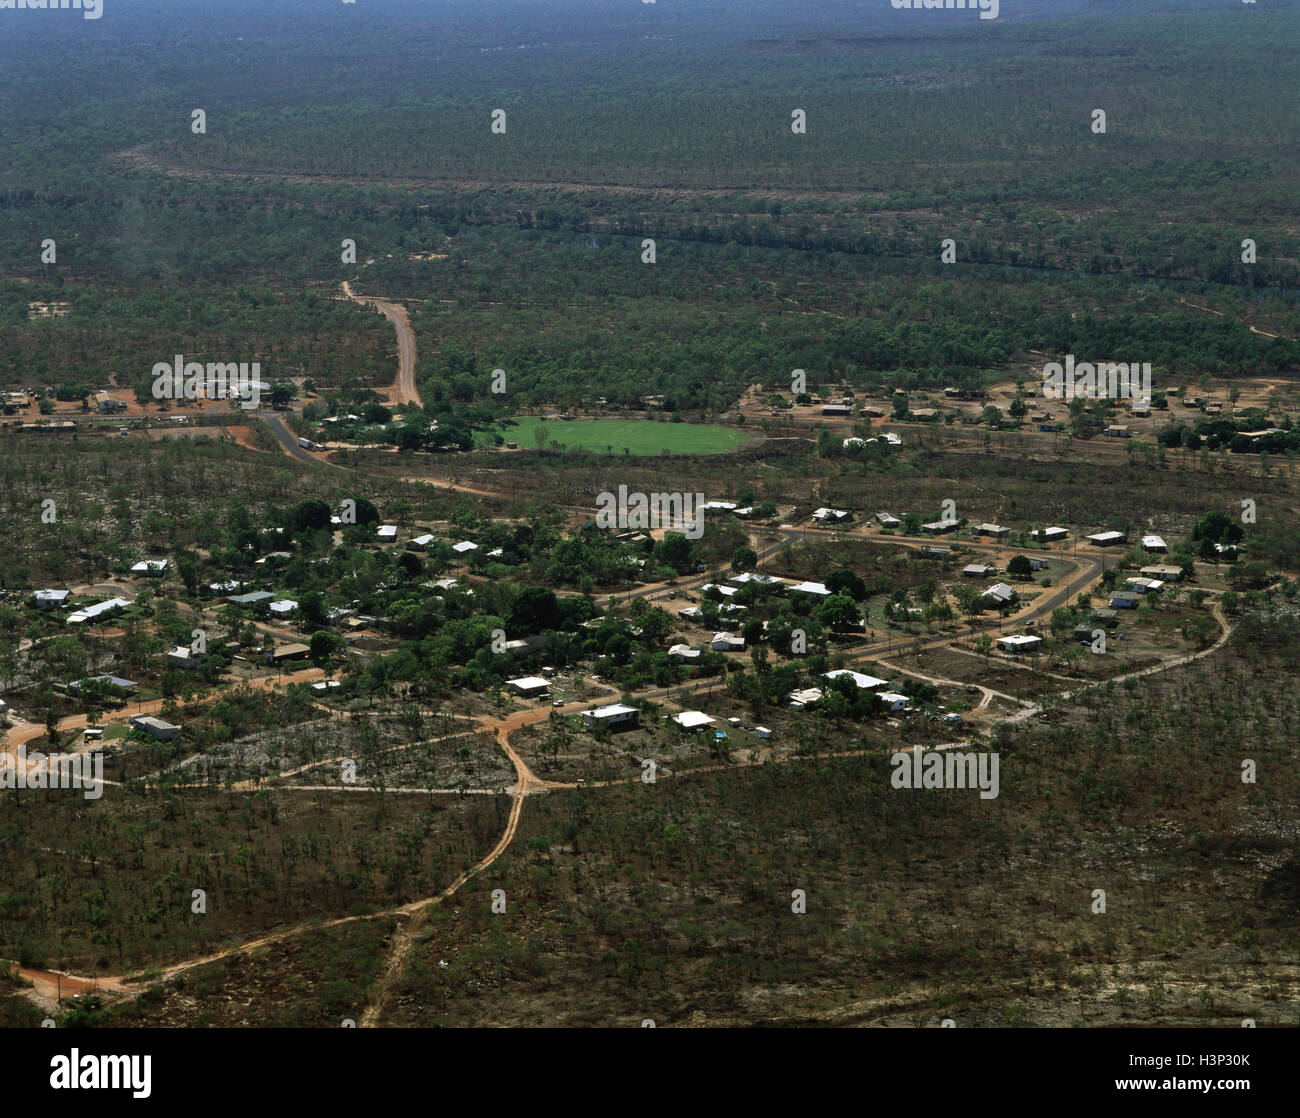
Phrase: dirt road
x=405 y=388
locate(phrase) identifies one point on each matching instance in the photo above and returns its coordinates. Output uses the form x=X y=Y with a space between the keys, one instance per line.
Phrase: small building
x=756 y=578
x=1106 y=539
x=183 y=656
x=804 y=699
x=100 y=609
x=725 y=591
x=1000 y=594
x=893 y=700
x=464 y=547
x=530 y=687
x=1165 y=572
x=864 y=682
x=994 y=530
x=1107 y=618
x=816 y=589
x=154 y=727
x=837 y=409
x=386 y=533
x=1049 y=534
x=853 y=441
x=692 y=720
x=727 y=642
x=831 y=516
x=1153 y=543
x=51 y=599
x=616 y=716
x=978 y=570
x=254 y=598
x=92 y=733
x=117 y=681
x=1038 y=564
x=935 y=552
x=683 y=652
x=282 y=653
x=936 y=527
x=283 y=608
x=423 y=542
x=1083 y=634
x=150 y=568
x=1019 y=643
x=762 y=732
x=325 y=685
x=1145 y=585
x=1123 y=601
x=1117 y=431
x=888 y=520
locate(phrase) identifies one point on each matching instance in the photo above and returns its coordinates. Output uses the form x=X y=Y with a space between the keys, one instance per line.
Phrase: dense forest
x=775 y=249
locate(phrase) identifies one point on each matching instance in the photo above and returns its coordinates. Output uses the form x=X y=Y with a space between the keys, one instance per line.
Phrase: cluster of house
x=808 y=697
x=729 y=642
x=889 y=438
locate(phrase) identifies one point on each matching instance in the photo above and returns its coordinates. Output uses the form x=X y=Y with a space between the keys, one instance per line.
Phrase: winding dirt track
x=405 y=388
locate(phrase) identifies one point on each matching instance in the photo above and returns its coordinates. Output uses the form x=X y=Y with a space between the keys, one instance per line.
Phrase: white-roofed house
x=1000 y=594
x=100 y=609
x=831 y=516
x=531 y=687
x=1153 y=543
x=182 y=656
x=725 y=591
x=149 y=568
x=464 y=547
x=386 y=533
x=865 y=682
x=692 y=720
x=1018 y=643
x=51 y=599
x=816 y=589
x=616 y=716
x=757 y=578
x=1106 y=539
x=283 y=608
x=727 y=642
x=894 y=700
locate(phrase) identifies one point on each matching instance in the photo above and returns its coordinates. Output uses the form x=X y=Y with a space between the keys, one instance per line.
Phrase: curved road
x=405 y=388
